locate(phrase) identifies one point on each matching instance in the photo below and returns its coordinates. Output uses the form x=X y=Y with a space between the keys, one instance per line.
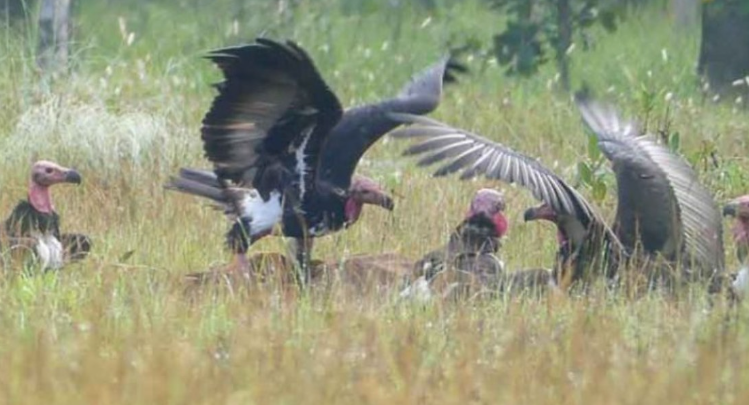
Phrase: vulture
x=35 y=225
x=284 y=151
x=469 y=263
x=663 y=211
x=582 y=233
x=476 y=238
x=738 y=209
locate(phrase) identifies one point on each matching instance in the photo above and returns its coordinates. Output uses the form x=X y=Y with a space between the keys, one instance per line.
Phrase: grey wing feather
x=476 y=155
x=697 y=217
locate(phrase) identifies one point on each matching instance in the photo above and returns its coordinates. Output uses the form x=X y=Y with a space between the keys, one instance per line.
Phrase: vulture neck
x=352 y=210
x=40 y=198
x=477 y=234
x=570 y=230
x=741 y=238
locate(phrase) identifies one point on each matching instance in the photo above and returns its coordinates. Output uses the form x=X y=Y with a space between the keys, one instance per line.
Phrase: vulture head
x=738 y=209
x=45 y=174
x=569 y=228
x=364 y=190
x=491 y=205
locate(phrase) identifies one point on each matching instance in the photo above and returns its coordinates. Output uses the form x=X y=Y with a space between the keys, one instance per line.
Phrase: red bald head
x=45 y=174
x=364 y=190
x=491 y=204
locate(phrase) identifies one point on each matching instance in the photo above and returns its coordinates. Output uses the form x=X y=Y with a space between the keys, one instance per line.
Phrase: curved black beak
x=387 y=203
x=529 y=214
x=730 y=209
x=72 y=176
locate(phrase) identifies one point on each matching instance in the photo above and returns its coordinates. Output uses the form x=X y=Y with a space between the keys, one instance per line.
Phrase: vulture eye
x=48 y=170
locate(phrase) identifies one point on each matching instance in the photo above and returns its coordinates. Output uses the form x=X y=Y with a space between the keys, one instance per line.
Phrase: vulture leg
x=240 y=265
x=77 y=246
x=303 y=253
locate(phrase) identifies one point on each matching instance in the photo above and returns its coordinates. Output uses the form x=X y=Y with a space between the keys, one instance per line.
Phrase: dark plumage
x=283 y=150
x=25 y=219
x=661 y=203
x=475 y=236
x=469 y=264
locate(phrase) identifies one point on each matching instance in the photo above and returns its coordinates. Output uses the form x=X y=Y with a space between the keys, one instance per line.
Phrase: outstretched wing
x=475 y=155
x=661 y=200
x=273 y=107
x=361 y=127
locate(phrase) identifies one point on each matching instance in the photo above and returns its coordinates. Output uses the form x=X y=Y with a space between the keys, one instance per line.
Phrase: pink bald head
x=491 y=204
x=364 y=190
x=45 y=174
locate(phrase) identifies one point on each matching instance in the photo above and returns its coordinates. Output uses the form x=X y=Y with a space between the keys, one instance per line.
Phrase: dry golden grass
x=119 y=328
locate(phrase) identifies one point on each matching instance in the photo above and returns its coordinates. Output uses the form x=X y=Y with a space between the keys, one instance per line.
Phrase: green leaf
x=594 y=152
x=586 y=175
x=674 y=142
x=599 y=191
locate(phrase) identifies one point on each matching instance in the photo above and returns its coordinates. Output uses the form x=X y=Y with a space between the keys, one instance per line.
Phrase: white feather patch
x=301 y=166
x=49 y=251
x=320 y=229
x=741 y=283
x=263 y=215
x=418 y=291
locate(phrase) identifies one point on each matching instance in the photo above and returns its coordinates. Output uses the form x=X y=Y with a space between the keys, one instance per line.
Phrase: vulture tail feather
x=208 y=178
x=197 y=188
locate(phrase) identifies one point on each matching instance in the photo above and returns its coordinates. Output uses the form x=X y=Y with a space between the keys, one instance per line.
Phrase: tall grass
x=118 y=328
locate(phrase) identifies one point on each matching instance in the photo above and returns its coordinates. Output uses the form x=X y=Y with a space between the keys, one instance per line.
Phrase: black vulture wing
x=360 y=127
x=661 y=201
x=273 y=107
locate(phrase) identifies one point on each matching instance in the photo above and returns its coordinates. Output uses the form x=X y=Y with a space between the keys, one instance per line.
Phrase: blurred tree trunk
x=11 y=10
x=724 y=52
x=563 y=42
x=54 y=29
x=685 y=12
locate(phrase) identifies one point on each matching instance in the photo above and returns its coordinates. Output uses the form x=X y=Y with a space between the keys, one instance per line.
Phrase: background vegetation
x=118 y=328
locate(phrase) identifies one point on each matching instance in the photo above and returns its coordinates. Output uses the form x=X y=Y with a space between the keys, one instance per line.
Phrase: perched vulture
x=284 y=151
x=738 y=209
x=468 y=264
x=34 y=224
x=663 y=210
x=474 y=242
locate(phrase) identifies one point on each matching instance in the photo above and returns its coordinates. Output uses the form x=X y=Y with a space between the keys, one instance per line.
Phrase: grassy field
x=119 y=330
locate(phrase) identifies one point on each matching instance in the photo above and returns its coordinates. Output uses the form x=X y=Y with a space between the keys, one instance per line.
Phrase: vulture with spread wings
x=581 y=230
x=284 y=151
x=662 y=209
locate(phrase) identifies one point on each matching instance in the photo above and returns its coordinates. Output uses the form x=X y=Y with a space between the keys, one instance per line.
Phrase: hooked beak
x=530 y=214
x=72 y=176
x=542 y=211
x=731 y=209
x=386 y=202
